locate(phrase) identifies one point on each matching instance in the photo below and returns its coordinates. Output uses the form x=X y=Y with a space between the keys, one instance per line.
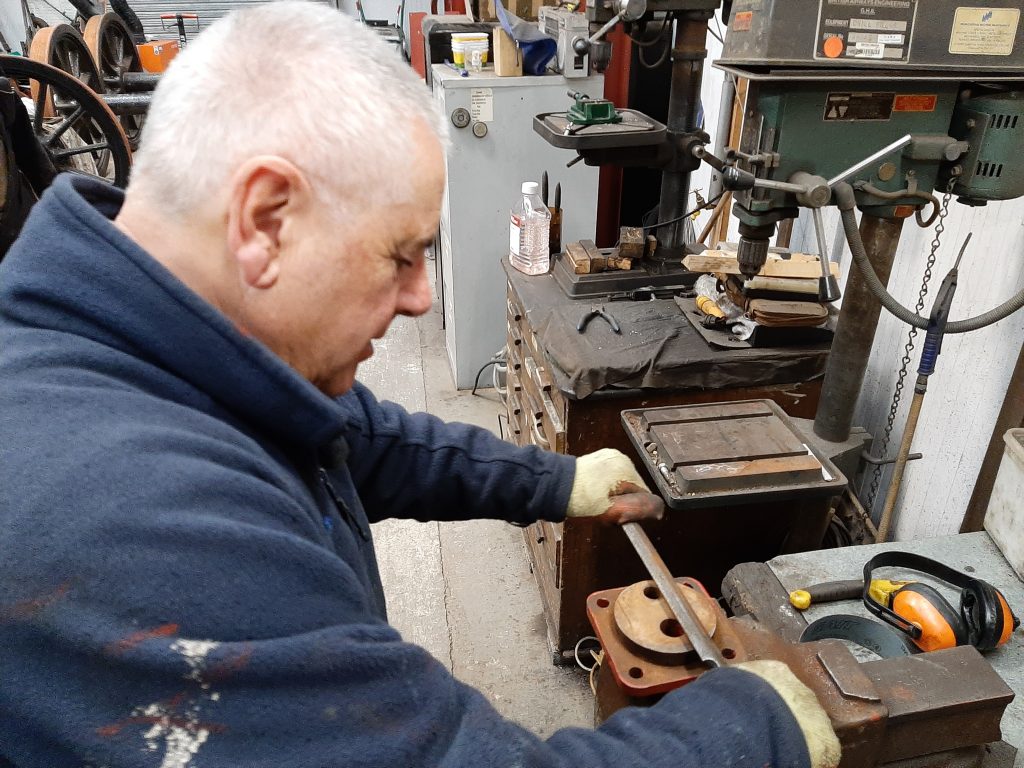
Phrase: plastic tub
x=1004 y=519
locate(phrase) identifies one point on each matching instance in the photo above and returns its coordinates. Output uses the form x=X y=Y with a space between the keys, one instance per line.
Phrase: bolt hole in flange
x=636 y=673
x=652 y=593
x=671 y=628
x=602 y=602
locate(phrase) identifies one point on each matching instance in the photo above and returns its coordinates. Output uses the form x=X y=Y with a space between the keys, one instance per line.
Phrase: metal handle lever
x=870 y=160
x=695 y=633
x=828 y=286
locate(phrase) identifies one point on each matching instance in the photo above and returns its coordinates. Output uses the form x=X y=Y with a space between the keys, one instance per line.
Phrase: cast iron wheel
x=64 y=48
x=110 y=42
x=76 y=111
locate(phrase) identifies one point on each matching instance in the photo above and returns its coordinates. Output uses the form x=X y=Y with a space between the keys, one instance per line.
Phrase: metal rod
x=781 y=186
x=698 y=637
x=870 y=160
x=140 y=80
x=876 y=461
x=604 y=30
x=819 y=232
x=963 y=248
x=128 y=103
x=722 y=131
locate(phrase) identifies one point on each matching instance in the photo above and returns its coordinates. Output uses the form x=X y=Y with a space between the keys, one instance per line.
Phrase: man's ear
x=265 y=191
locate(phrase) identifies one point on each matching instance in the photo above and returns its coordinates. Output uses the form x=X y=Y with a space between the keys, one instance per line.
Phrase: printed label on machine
x=984 y=31
x=865 y=29
x=858 y=106
x=481 y=105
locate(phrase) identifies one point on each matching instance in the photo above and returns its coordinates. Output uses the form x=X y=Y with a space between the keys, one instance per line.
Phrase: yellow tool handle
x=831 y=591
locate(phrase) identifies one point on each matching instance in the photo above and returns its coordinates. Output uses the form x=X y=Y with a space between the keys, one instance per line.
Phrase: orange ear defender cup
x=940 y=624
x=984 y=620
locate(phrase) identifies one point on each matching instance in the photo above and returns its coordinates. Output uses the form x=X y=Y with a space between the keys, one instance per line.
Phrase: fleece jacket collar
x=90 y=279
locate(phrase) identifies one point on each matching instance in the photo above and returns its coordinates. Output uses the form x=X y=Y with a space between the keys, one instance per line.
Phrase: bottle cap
x=531 y=188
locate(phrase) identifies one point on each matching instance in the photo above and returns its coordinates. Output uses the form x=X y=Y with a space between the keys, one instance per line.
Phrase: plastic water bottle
x=528 y=232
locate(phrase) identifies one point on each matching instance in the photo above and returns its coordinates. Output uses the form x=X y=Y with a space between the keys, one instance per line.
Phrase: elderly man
x=188 y=469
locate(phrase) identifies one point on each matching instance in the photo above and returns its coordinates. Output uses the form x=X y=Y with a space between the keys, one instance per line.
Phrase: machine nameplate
x=984 y=31
x=849 y=106
x=865 y=29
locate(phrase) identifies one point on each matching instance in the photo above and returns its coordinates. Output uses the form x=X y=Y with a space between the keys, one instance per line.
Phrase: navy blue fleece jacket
x=188 y=576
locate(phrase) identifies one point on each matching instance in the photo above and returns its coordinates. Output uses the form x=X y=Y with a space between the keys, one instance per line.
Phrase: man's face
x=344 y=282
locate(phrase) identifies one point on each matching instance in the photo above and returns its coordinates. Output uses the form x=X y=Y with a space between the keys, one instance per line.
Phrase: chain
x=897 y=395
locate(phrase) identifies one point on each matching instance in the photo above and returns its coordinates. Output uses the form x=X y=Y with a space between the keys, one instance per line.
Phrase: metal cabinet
x=491 y=155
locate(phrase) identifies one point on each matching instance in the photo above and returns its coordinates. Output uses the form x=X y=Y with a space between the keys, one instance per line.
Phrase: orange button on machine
x=833 y=47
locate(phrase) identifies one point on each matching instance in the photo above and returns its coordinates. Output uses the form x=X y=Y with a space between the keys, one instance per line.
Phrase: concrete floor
x=464 y=591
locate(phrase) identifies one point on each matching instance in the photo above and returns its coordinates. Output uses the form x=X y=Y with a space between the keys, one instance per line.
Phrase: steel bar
x=870 y=160
x=140 y=81
x=699 y=639
x=128 y=103
x=781 y=186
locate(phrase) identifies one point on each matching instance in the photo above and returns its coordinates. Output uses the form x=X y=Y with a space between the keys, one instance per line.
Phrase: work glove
x=822 y=744
x=608 y=487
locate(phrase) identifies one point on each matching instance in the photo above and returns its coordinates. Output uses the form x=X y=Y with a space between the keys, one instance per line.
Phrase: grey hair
x=293 y=79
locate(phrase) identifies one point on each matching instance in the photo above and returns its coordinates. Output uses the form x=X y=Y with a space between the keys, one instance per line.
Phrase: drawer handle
x=498 y=372
x=538 y=439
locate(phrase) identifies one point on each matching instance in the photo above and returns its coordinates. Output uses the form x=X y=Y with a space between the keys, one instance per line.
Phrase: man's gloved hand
x=607 y=486
x=822 y=744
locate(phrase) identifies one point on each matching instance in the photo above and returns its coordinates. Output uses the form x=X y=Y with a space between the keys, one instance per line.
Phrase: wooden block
x=726 y=262
x=631 y=242
x=508 y=59
x=487 y=11
x=577 y=254
x=782 y=285
x=598 y=260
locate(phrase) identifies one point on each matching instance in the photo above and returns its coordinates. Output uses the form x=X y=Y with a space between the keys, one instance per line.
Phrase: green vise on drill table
x=588 y=111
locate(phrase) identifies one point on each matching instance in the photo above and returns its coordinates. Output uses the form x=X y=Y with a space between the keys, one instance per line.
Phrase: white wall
x=969 y=384
x=12 y=25
x=968 y=387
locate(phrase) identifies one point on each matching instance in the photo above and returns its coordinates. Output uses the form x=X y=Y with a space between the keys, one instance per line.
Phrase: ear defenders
x=984 y=619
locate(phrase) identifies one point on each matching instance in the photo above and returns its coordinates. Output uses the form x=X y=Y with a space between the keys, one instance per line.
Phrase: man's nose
x=415 y=297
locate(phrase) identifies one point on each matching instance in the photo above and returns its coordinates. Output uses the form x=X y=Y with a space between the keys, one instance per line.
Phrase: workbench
x=565 y=392
x=762 y=589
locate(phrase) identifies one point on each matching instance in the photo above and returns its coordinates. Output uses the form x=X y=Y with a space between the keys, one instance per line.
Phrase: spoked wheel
x=70 y=121
x=64 y=48
x=110 y=42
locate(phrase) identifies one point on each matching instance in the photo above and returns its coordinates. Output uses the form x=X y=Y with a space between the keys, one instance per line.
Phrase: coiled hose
x=847 y=204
